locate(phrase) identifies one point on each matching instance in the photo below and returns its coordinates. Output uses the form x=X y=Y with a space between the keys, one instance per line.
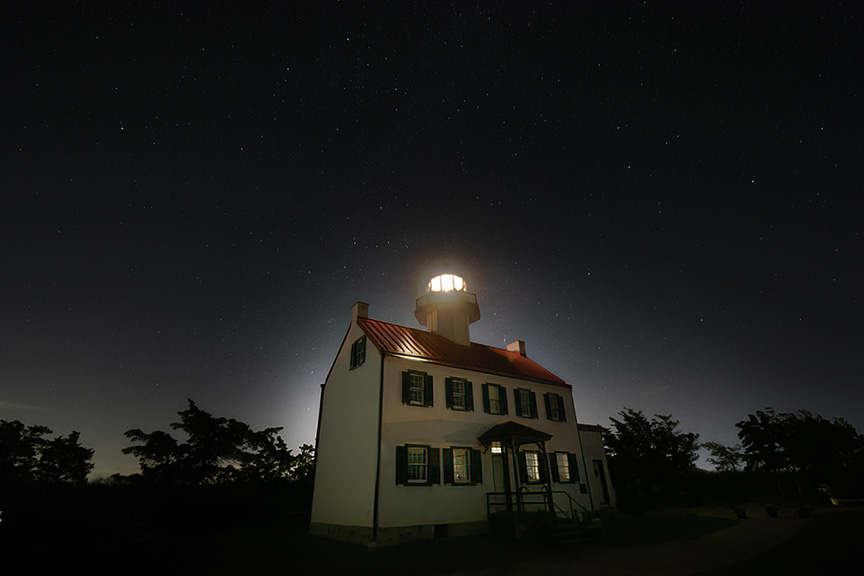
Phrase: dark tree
x=649 y=460
x=724 y=458
x=63 y=459
x=304 y=465
x=216 y=451
x=26 y=456
x=806 y=448
x=158 y=453
x=763 y=439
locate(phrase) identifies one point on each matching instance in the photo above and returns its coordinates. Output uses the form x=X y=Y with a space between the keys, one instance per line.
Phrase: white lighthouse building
x=423 y=433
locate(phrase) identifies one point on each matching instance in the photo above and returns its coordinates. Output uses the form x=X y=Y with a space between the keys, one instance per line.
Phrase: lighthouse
x=447 y=308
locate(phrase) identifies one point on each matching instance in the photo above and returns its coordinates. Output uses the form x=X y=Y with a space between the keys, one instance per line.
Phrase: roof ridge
x=422 y=331
x=399 y=340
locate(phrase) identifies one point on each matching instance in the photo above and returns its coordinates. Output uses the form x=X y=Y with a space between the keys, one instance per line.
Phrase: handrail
x=572 y=501
x=525 y=496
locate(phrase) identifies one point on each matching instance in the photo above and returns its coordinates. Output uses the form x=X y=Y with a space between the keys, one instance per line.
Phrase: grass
x=287 y=549
x=829 y=543
x=660 y=526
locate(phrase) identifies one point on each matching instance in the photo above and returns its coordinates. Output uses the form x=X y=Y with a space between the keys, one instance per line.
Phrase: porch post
x=516 y=475
x=508 y=496
x=549 y=504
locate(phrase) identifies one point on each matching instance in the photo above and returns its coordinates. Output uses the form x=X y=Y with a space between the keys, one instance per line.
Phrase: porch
x=525 y=505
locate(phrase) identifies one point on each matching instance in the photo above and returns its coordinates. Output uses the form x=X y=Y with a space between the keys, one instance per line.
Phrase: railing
x=519 y=502
x=572 y=504
x=527 y=501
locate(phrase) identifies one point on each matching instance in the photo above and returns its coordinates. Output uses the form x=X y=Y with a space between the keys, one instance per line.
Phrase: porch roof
x=513 y=432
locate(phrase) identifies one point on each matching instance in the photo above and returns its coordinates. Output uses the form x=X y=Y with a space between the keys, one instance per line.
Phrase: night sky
x=664 y=200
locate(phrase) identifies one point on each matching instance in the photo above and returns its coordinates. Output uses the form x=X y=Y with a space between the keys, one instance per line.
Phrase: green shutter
x=448 y=465
x=523 y=467
x=533 y=404
x=502 y=394
x=448 y=393
x=562 y=413
x=574 y=467
x=358 y=352
x=485 y=390
x=406 y=387
x=401 y=464
x=517 y=402
x=553 y=463
x=544 y=470
x=549 y=415
x=476 y=467
x=434 y=466
x=428 y=400
x=469 y=397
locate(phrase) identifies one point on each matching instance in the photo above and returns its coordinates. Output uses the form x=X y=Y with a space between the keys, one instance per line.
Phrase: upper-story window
x=460 y=395
x=416 y=388
x=358 y=352
x=554 y=407
x=494 y=399
x=526 y=403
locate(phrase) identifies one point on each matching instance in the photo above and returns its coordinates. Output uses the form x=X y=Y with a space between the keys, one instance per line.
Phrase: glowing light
x=447 y=283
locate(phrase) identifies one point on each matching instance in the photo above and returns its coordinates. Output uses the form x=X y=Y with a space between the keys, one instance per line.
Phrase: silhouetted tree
x=649 y=460
x=304 y=465
x=26 y=456
x=216 y=451
x=724 y=458
x=63 y=459
x=158 y=453
x=804 y=447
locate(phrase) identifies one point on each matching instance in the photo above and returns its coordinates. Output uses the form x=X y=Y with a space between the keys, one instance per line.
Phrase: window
x=462 y=466
x=532 y=466
x=526 y=403
x=494 y=399
x=562 y=464
x=416 y=388
x=459 y=394
x=564 y=468
x=554 y=407
x=358 y=352
x=417 y=465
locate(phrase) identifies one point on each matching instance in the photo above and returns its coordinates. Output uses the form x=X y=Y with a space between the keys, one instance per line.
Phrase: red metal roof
x=415 y=343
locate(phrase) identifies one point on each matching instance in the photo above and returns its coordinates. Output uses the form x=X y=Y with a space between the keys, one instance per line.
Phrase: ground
x=706 y=541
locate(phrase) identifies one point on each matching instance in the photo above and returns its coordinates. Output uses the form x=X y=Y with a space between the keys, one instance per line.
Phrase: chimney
x=517 y=346
x=448 y=308
x=359 y=310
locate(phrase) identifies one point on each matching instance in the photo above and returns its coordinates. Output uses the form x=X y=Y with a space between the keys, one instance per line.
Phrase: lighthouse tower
x=447 y=308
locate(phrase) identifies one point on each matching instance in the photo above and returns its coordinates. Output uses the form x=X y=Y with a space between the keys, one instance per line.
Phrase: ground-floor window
x=462 y=466
x=418 y=462
x=417 y=465
x=532 y=466
x=564 y=467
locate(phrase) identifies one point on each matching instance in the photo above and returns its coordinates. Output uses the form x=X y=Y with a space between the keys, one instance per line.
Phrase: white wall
x=348 y=439
x=592 y=444
x=440 y=427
